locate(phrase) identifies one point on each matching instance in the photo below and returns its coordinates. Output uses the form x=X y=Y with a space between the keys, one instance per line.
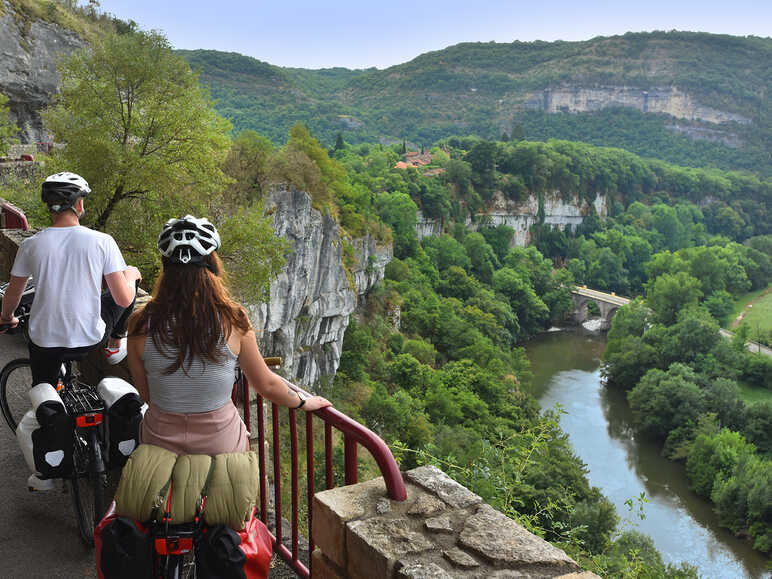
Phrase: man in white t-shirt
x=70 y=314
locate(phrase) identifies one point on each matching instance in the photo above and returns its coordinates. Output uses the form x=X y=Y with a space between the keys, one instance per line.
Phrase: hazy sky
x=364 y=33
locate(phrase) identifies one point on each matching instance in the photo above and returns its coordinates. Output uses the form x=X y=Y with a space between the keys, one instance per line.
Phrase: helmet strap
x=202 y=263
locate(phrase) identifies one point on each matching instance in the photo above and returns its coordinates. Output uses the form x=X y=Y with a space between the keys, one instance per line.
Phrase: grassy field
x=759 y=317
x=751 y=395
x=743 y=300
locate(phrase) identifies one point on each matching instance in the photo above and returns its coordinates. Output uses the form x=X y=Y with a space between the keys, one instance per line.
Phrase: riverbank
x=598 y=421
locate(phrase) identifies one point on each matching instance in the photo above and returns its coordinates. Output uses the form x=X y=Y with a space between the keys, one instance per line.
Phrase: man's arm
x=121 y=285
x=11 y=300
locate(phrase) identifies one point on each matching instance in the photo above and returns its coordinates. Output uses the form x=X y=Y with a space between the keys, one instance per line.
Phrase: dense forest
x=450 y=386
x=490 y=89
x=447 y=384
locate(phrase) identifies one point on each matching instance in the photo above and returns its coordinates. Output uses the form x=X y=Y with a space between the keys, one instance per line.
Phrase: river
x=566 y=367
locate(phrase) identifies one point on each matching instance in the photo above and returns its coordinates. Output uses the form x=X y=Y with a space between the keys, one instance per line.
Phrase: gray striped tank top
x=202 y=387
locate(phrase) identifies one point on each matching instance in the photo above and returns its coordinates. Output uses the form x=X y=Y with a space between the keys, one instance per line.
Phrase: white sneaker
x=116 y=355
x=36 y=484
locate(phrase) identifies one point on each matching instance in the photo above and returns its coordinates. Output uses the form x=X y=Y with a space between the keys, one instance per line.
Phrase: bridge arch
x=607 y=303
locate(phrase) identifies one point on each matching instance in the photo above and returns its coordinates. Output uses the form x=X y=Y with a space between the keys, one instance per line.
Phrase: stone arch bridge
x=607 y=303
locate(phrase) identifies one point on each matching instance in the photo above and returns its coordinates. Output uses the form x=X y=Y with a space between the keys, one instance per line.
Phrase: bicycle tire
x=88 y=487
x=15 y=383
x=176 y=566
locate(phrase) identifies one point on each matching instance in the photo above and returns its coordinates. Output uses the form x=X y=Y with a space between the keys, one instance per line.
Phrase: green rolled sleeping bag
x=231 y=481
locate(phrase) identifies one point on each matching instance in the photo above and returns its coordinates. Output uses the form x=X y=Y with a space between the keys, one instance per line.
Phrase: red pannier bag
x=224 y=553
x=124 y=547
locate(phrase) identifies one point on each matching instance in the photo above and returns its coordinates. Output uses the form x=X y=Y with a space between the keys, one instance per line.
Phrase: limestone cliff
x=29 y=50
x=311 y=300
x=668 y=100
x=520 y=216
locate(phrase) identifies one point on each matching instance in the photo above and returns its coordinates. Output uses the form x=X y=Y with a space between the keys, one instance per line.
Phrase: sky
x=367 y=33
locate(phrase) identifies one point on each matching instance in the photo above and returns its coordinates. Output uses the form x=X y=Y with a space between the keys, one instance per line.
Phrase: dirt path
x=738 y=320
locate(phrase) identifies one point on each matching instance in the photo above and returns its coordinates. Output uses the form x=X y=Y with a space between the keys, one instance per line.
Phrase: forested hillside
x=433 y=362
x=690 y=98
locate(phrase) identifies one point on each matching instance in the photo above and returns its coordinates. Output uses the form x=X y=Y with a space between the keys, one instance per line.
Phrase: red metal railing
x=353 y=433
x=11 y=217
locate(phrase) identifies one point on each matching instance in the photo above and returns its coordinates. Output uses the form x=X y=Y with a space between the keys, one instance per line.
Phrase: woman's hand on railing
x=315 y=403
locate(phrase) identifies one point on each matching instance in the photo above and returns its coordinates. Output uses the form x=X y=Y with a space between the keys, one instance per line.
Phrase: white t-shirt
x=67 y=264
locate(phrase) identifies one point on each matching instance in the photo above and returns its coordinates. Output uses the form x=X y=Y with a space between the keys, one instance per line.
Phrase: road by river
x=683 y=526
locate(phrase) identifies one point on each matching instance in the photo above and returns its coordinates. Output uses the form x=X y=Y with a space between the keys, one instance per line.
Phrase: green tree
x=340 y=144
x=138 y=126
x=668 y=294
x=399 y=211
x=445 y=252
x=758 y=426
x=714 y=455
x=8 y=129
x=248 y=164
x=663 y=401
x=483 y=258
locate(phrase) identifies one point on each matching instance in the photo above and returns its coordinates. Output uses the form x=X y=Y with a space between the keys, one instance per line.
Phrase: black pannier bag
x=124 y=410
x=219 y=554
x=52 y=444
x=124 y=548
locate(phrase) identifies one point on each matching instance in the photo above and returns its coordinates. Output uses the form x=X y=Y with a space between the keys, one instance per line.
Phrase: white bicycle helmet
x=188 y=240
x=60 y=191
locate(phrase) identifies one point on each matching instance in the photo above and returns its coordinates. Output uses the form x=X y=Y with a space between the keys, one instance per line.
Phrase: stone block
x=459 y=558
x=434 y=480
x=333 y=508
x=375 y=545
x=423 y=571
x=439 y=525
x=10 y=240
x=501 y=541
x=425 y=505
x=323 y=568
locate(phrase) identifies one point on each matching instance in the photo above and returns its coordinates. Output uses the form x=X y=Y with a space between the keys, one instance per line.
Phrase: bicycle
x=88 y=478
x=22 y=311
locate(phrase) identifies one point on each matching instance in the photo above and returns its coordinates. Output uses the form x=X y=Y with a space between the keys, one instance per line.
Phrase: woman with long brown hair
x=184 y=346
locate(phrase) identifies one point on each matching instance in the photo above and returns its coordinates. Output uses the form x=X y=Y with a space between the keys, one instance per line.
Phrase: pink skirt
x=214 y=432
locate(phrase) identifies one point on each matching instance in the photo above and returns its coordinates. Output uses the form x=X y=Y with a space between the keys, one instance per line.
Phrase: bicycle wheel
x=15 y=383
x=176 y=566
x=88 y=485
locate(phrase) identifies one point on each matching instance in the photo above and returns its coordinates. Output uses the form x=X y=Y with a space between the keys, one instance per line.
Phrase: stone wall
x=442 y=530
x=10 y=240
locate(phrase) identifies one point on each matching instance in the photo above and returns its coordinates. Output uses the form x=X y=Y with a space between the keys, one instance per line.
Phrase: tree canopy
x=138 y=126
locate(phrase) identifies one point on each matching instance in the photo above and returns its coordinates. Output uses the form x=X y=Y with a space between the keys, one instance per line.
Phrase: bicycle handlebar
x=273 y=361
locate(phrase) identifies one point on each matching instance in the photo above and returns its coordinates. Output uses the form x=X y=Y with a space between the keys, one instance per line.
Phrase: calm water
x=566 y=368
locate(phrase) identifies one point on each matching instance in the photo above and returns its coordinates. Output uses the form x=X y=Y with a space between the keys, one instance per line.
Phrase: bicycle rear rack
x=83 y=404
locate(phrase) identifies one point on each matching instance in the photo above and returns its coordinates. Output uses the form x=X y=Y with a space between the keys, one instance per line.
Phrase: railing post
x=350 y=454
x=276 y=472
x=294 y=481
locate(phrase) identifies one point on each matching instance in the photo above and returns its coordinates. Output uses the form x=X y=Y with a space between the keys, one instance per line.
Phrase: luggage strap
x=176 y=545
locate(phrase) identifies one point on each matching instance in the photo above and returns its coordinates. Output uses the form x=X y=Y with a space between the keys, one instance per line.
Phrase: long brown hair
x=190 y=312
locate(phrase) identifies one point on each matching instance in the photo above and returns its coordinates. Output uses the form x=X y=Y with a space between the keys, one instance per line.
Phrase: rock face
x=313 y=297
x=559 y=211
x=668 y=100
x=28 y=77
